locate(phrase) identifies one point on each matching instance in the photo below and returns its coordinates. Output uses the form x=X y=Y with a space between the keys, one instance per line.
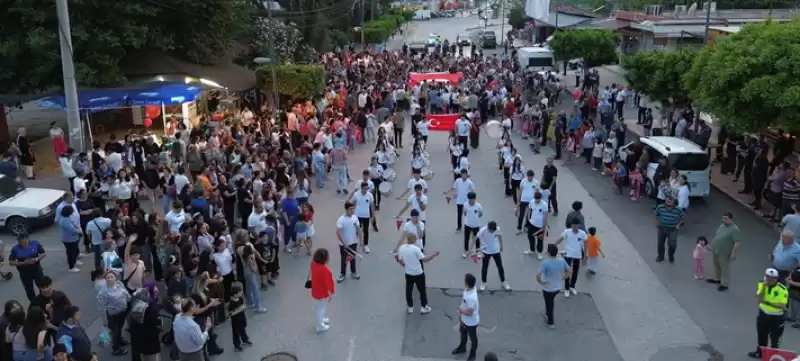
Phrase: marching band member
x=462 y=187
x=412 y=184
x=376 y=175
x=456 y=149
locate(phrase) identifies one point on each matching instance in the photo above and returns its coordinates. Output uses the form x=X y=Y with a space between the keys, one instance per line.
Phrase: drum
x=426 y=173
x=494 y=129
x=389 y=175
x=385 y=188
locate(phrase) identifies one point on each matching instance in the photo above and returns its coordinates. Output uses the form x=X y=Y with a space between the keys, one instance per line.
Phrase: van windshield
x=689 y=162
x=540 y=62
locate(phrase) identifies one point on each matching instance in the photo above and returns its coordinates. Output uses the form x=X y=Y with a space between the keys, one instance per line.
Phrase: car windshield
x=689 y=161
x=10 y=187
x=488 y=35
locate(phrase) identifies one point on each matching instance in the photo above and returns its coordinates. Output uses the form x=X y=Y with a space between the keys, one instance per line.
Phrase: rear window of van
x=689 y=161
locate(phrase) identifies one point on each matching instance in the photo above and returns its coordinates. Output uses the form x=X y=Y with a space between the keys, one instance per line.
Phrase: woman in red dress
x=57 y=137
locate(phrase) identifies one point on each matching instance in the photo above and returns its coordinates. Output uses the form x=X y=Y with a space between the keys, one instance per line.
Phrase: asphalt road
x=633 y=310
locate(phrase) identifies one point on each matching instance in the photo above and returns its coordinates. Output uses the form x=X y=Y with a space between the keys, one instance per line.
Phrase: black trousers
x=343 y=253
x=521 y=214
x=553 y=200
x=472 y=333
x=116 y=323
x=463 y=140
x=364 y=222
x=549 y=305
x=641 y=115
x=740 y=161
x=398 y=137
x=28 y=279
x=498 y=261
x=376 y=193
x=575 y=264
x=239 y=330
x=419 y=282
x=758 y=192
x=227 y=283
x=514 y=188
x=557 y=145
x=748 y=178
x=468 y=232
x=535 y=238
x=769 y=328
x=459 y=215
x=73 y=249
x=454 y=162
x=507 y=180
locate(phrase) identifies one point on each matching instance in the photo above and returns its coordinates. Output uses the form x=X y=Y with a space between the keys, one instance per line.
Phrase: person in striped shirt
x=669 y=220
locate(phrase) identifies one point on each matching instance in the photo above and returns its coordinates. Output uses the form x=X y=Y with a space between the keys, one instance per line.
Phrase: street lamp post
x=273 y=70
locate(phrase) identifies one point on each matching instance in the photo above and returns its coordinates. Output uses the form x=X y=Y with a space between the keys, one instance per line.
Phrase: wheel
x=7 y=276
x=18 y=226
x=649 y=189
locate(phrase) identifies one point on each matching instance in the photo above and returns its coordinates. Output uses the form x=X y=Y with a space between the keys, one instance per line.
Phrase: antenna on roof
x=692 y=9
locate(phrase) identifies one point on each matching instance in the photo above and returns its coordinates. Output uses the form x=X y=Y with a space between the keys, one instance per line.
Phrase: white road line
x=351 y=349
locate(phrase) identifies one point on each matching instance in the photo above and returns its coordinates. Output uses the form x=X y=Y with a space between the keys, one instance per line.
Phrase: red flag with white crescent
x=443 y=122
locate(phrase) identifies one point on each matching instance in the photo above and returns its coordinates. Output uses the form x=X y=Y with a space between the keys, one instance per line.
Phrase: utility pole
x=273 y=60
x=76 y=140
x=705 y=44
x=503 y=21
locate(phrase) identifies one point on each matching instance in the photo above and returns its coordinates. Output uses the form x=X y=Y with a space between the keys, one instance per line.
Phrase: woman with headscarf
x=145 y=324
x=26 y=156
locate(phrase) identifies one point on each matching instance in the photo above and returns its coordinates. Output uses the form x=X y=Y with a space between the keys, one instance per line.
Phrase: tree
x=659 y=75
x=276 y=39
x=295 y=82
x=517 y=17
x=595 y=46
x=748 y=79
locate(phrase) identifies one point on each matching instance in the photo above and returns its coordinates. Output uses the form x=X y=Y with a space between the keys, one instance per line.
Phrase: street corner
x=512 y=324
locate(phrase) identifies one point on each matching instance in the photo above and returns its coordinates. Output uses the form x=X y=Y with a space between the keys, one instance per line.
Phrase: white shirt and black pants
x=536 y=226
x=348 y=227
x=574 y=242
x=472 y=214
x=527 y=189
x=469 y=324
x=517 y=175
x=363 y=210
x=491 y=251
x=412 y=257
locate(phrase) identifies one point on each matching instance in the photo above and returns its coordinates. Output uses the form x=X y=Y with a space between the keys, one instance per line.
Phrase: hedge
x=380 y=29
x=294 y=81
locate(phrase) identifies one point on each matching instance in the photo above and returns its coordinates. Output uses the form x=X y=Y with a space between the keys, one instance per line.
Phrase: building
x=560 y=17
x=715 y=32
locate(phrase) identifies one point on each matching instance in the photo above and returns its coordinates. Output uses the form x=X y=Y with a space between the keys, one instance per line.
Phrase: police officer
x=773 y=298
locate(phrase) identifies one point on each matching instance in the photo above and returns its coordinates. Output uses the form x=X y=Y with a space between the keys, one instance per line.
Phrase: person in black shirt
x=113 y=145
x=228 y=193
x=45 y=285
x=415 y=118
x=238 y=317
x=549 y=177
x=245 y=200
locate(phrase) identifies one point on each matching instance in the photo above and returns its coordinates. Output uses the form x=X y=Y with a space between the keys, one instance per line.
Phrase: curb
x=617 y=71
x=747 y=206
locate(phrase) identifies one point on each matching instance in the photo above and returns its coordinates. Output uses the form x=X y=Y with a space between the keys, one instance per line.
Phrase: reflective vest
x=776 y=294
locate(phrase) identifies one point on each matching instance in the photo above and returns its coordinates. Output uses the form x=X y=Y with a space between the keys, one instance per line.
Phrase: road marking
x=351 y=349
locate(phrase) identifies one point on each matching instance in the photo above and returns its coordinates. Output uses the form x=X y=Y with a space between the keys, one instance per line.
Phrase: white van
x=687 y=157
x=536 y=59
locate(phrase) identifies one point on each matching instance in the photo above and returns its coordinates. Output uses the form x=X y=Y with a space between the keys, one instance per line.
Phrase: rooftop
x=726 y=29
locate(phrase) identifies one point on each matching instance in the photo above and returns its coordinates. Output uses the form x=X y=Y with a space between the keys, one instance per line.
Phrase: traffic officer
x=773 y=298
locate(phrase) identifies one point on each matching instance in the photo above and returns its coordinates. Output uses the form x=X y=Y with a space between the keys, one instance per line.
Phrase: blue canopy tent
x=90 y=100
x=160 y=94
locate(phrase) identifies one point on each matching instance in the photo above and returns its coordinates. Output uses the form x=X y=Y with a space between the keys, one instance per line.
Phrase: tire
x=8 y=276
x=18 y=226
x=649 y=189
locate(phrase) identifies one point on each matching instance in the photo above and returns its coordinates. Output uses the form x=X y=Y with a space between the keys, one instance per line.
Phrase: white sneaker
x=80 y=255
x=574 y=291
x=482 y=287
x=506 y=286
x=261 y=310
x=323 y=327
x=410 y=310
x=566 y=293
x=464 y=255
x=424 y=310
x=289 y=250
x=78 y=263
x=366 y=249
x=326 y=321
x=528 y=252
x=539 y=256
x=74 y=270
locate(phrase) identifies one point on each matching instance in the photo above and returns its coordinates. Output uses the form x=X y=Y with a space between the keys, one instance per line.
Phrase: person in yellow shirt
x=773 y=298
x=593 y=251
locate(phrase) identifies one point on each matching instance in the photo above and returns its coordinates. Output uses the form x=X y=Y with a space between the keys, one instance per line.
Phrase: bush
x=380 y=29
x=338 y=38
x=295 y=82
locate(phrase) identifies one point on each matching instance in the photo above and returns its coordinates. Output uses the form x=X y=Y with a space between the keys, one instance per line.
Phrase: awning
x=154 y=63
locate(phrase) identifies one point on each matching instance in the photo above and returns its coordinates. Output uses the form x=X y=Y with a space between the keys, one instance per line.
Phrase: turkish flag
x=443 y=122
x=775 y=354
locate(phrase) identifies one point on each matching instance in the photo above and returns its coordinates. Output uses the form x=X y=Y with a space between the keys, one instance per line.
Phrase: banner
x=443 y=122
x=775 y=354
x=538 y=9
x=416 y=78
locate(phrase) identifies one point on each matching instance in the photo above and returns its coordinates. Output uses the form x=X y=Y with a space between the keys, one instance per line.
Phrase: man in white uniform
x=417 y=202
x=463 y=126
x=527 y=188
x=536 y=214
x=472 y=213
x=492 y=241
x=469 y=318
x=461 y=188
x=349 y=235
x=364 y=209
x=410 y=256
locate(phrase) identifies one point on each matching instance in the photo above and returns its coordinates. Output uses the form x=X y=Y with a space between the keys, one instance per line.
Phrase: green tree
x=517 y=17
x=660 y=74
x=749 y=80
x=595 y=46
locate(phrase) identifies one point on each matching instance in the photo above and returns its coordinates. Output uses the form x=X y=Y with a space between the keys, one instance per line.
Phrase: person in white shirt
x=536 y=214
x=489 y=241
x=115 y=161
x=527 y=189
x=257 y=221
x=463 y=125
x=422 y=129
x=574 y=240
x=417 y=201
x=364 y=203
x=683 y=193
x=415 y=181
x=517 y=174
x=462 y=186
x=175 y=217
x=472 y=213
x=349 y=235
x=456 y=149
x=412 y=227
x=410 y=256
x=469 y=318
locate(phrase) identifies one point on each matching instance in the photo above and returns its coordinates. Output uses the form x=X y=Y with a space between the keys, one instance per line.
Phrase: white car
x=23 y=209
x=434 y=39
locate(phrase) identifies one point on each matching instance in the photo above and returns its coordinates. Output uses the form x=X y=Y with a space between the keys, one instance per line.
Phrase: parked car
x=488 y=39
x=418 y=47
x=23 y=209
x=463 y=40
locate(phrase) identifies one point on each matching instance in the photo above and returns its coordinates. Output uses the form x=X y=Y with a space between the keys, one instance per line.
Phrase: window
x=540 y=62
x=655 y=155
x=694 y=161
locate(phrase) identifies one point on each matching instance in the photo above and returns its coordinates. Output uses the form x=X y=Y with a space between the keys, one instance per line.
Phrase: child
x=620 y=176
x=608 y=157
x=301 y=228
x=593 y=251
x=238 y=317
x=663 y=190
x=597 y=155
x=308 y=212
x=273 y=263
x=699 y=256
x=570 y=142
x=636 y=183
